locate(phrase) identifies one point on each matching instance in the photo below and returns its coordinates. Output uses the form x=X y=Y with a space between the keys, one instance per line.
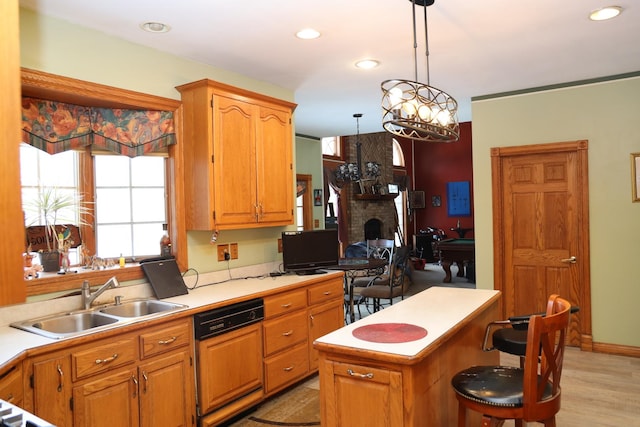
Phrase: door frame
x=580 y=148
x=307 y=201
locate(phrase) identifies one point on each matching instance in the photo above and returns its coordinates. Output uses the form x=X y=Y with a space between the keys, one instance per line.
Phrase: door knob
x=571 y=260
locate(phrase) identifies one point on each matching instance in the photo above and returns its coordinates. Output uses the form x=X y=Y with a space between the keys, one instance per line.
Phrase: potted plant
x=52 y=208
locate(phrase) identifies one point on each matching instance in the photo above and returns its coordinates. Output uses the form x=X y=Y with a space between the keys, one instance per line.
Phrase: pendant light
x=416 y=110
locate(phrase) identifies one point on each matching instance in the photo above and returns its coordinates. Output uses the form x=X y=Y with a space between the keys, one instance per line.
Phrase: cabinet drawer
x=364 y=373
x=103 y=357
x=165 y=338
x=286 y=368
x=11 y=386
x=326 y=291
x=285 y=331
x=285 y=303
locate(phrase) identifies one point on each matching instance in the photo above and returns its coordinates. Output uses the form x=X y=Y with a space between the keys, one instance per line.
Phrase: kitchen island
x=398 y=372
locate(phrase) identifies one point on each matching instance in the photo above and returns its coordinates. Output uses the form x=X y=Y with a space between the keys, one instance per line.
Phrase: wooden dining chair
x=527 y=394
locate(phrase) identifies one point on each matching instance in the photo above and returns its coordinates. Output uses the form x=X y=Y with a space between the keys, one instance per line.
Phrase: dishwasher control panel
x=220 y=320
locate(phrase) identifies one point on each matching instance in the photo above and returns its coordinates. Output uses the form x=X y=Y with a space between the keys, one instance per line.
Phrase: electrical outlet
x=233 y=249
x=222 y=250
x=280 y=246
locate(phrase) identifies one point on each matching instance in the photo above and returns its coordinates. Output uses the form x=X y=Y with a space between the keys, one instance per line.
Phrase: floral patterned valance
x=55 y=127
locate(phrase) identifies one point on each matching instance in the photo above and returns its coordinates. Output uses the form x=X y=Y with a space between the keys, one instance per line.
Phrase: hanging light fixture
x=417 y=110
x=351 y=171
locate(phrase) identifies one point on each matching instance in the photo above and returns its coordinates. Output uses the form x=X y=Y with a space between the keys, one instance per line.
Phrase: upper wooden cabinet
x=237 y=157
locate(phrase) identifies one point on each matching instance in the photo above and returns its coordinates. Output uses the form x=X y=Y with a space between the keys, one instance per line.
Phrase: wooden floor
x=597 y=390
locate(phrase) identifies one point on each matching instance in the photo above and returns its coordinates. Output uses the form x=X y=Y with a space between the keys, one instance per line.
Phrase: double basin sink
x=76 y=323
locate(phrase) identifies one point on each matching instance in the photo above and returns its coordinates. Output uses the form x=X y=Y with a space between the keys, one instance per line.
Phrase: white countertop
x=15 y=341
x=436 y=309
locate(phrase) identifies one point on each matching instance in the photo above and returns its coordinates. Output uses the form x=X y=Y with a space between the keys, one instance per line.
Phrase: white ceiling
x=476 y=47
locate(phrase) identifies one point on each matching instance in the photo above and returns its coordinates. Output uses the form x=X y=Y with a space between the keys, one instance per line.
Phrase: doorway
x=541 y=230
x=304 y=203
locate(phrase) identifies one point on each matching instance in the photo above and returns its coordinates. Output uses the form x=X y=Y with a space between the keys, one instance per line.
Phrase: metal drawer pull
x=355 y=374
x=60 y=374
x=327 y=293
x=146 y=380
x=107 y=360
x=135 y=386
x=286 y=305
x=288 y=333
x=288 y=369
x=169 y=341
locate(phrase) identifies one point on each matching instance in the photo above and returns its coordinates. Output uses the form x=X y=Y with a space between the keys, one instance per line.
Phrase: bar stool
x=527 y=394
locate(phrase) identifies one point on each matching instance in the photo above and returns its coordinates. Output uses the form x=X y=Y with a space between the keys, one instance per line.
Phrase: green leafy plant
x=52 y=207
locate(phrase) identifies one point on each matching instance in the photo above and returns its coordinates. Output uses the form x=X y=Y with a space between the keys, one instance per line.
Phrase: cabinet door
x=274 y=167
x=166 y=391
x=11 y=389
x=234 y=161
x=110 y=400
x=52 y=389
x=361 y=395
x=238 y=352
x=323 y=319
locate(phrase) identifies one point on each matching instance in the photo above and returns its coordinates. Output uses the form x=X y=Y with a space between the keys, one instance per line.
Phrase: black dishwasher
x=229 y=363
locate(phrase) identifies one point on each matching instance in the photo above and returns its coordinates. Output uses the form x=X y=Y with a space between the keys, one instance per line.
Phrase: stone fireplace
x=372 y=216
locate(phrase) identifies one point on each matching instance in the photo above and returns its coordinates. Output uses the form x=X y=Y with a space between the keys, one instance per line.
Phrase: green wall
x=605 y=114
x=57 y=47
x=309 y=161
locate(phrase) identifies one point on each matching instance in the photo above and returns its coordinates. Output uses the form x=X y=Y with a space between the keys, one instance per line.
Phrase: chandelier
x=417 y=110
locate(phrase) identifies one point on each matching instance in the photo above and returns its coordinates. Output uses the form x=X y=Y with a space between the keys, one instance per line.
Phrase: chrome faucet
x=88 y=297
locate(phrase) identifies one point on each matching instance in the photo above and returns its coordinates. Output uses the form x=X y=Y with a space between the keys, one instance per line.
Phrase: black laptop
x=164 y=276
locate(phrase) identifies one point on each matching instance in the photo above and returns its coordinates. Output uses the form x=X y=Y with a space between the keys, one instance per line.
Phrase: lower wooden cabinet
x=11 y=389
x=293 y=320
x=166 y=391
x=110 y=400
x=323 y=318
x=49 y=379
x=113 y=381
x=363 y=395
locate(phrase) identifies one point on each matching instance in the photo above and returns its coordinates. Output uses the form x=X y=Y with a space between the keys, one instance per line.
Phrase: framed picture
x=635 y=177
x=416 y=199
x=317 y=197
x=458 y=199
x=436 y=201
x=392 y=188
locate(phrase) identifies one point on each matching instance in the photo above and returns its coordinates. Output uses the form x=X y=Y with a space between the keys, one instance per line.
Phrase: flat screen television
x=307 y=252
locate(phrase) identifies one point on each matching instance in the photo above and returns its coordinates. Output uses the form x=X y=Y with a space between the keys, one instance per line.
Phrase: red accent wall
x=436 y=165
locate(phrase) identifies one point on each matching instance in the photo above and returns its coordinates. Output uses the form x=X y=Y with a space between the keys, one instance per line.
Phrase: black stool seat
x=493 y=385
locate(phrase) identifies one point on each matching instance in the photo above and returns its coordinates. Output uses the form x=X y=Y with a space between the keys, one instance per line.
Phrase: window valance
x=55 y=127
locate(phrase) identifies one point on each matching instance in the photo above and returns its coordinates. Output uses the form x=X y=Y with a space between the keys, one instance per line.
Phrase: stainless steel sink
x=67 y=324
x=64 y=325
x=140 y=308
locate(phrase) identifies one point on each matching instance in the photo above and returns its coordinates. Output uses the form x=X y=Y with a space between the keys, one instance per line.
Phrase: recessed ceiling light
x=155 y=27
x=605 y=13
x=308 y=34
x=367 y=64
